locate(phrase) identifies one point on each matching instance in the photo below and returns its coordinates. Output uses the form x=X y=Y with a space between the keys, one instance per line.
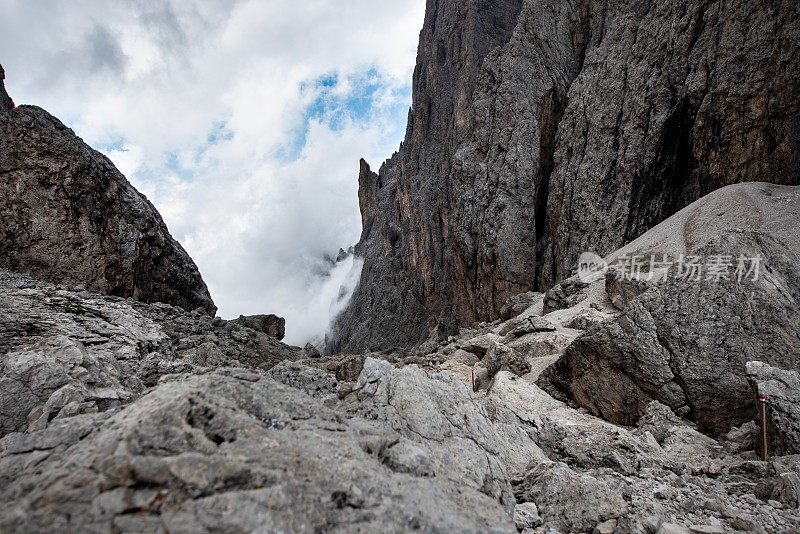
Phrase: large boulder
x=70 y=217
x=272 y=325
x=568 y=501
x=685 y=341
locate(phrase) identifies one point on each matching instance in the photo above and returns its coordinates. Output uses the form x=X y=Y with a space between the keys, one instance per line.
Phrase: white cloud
x=243 y=122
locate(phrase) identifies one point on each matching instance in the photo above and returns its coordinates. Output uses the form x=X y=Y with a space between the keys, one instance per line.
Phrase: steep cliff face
x=68 y=216
x=6 y=104
x=543 y=129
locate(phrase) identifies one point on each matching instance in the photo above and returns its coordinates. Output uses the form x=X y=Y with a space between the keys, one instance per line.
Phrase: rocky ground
x=119 y=416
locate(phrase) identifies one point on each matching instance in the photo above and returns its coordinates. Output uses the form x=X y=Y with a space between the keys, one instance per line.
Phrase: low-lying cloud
x=242 y=121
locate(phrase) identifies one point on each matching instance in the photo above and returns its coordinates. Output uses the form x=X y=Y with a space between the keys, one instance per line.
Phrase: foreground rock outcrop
x=119 y=416
x=68 y=216
x=540 y=130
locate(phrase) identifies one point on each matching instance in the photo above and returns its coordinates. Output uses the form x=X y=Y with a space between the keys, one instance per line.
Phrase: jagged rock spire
x=6 y=104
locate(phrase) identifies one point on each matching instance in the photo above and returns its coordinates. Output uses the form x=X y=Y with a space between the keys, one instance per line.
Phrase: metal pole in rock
x=762 y=401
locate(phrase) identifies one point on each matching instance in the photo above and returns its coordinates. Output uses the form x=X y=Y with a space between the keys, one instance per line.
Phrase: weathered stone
x=586 y=319
x=742 y=438
x=565 y=295
x=6 y=104
x=502 y=358
x=518 y=304
x=658 y=420
x=480 y=345
x=526 y=515
x=672 y=528
x=310 y=351
x=567 y=501
x=781 y=390
x=531 y=324
x=606 y=527
x=308 y=379
x=622 y=289
x=221 y=453
x=706 y=529
x=66 y=352
x=272 y=325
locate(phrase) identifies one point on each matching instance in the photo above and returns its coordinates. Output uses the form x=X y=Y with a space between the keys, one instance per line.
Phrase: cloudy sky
x=242 y=121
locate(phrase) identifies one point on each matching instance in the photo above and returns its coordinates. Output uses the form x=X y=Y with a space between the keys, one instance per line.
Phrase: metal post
x=762 y=401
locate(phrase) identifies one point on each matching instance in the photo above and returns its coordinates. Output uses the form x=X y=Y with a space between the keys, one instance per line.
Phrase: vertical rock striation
x=542 y=129
x=69 y=216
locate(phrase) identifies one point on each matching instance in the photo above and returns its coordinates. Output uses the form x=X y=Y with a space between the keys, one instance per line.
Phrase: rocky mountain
x=684 y=335
x=540 y=130
x=624 y=399
x=69 y=216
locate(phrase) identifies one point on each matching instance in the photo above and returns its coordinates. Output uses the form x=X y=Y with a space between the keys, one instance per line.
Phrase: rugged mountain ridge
x=69 y=216
x=540 y=130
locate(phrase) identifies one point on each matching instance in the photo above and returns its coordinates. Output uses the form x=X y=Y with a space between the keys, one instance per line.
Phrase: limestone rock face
x=550 y=485
x=540 y=130
x=68 y=216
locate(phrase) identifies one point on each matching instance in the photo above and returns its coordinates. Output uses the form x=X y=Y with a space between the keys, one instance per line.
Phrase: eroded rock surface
x=6 y=104
x=118 y=416
x=69 y=217
x=67 y=352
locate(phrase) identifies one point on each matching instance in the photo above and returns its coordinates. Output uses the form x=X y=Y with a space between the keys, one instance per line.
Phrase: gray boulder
x=518 y=304
x=503 y=358
x=565 y=294
x=310 y=351
x=272 y=325
x=568 y=501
